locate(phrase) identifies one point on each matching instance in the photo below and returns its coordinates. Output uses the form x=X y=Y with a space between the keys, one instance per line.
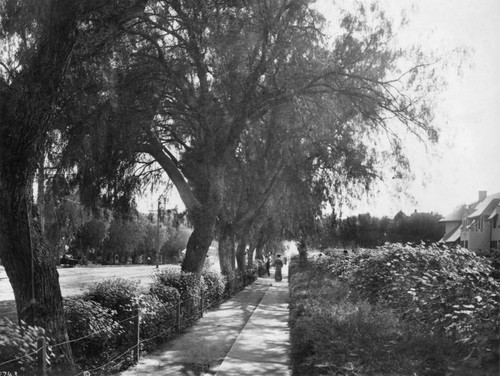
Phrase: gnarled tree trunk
x=26 y=108
x=31 y=271
x=199 y=242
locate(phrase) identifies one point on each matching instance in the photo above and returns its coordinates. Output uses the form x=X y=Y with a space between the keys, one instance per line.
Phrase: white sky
x=467 y=158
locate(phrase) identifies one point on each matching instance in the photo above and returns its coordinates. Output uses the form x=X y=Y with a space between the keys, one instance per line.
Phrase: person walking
x=278 y=265
x=268 y=266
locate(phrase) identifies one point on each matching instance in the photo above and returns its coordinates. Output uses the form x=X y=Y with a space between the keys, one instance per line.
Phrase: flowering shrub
x=20 y=341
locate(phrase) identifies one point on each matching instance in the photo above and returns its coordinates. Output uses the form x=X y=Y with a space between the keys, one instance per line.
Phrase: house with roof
x=475 y=226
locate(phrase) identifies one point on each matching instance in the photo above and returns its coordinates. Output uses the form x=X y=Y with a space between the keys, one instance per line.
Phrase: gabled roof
x=486 y=206
x=494 y=213
x=453 y=235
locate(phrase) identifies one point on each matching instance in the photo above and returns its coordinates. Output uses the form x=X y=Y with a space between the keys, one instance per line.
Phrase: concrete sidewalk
x=248 y=334
x=262 y=348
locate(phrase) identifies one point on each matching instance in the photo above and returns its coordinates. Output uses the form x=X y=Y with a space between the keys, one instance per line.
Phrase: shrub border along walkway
x=203 y=347
x=120 y=298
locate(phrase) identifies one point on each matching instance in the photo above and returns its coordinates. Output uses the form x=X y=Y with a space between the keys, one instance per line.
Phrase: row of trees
x=366 y=231
x=104 y=236
x=134 y=240
x=253 y=113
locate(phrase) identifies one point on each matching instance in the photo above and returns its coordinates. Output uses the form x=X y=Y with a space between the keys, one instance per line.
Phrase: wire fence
x=181 y=321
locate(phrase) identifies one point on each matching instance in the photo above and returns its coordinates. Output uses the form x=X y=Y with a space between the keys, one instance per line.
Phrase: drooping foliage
x=191 y=81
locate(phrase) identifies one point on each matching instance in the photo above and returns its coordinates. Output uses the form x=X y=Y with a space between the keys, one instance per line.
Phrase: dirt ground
x=74 y=280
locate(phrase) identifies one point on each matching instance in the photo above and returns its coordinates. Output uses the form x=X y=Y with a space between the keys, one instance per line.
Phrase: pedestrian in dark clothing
x=278 y=264
x=268 y=266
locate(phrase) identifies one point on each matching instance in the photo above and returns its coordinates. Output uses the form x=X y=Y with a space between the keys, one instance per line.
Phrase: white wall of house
x=479 y=239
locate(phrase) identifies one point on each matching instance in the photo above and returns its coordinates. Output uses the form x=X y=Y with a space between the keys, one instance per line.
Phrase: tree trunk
x=200 y=240
x=259 y=249
x=26 y=110
x=41 y=194
x=32 y=273
x=251 y=250
x=240 y=256
x=227 y=250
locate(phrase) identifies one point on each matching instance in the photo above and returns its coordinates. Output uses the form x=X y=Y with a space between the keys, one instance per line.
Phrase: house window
x=466 y=244
x=495 y=221
x=493 y=244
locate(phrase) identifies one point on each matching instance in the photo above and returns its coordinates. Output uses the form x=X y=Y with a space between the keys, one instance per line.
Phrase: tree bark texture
x=227 y=249
x=26 y=110
x=259 y=247
x=240 y=256
x=251 y=251
x=198 y=243
x=203 y=212
x=31 y=271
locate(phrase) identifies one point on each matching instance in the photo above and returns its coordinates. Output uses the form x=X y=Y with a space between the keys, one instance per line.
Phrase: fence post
x=42 y=353
x=178 y=315
x=137 y=322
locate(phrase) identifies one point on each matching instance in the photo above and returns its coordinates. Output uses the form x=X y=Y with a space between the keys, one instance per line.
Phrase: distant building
x=475 y=226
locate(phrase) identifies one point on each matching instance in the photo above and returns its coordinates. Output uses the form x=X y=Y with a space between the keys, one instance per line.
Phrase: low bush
x=168 y=295
x=189 y=287
x=448 y=291
x=260 y=267
x=119 y=295
x=238 y=280
x=93 y=330
x=248 y=276
x=445 y=300
x=333 y=332
x=214 y=285
x=157 y=321
x=102 y=322
x=20 y=342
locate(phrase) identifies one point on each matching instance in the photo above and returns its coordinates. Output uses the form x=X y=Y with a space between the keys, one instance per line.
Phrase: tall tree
x=41 y=38
x=192 y=77
x=229 y=64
